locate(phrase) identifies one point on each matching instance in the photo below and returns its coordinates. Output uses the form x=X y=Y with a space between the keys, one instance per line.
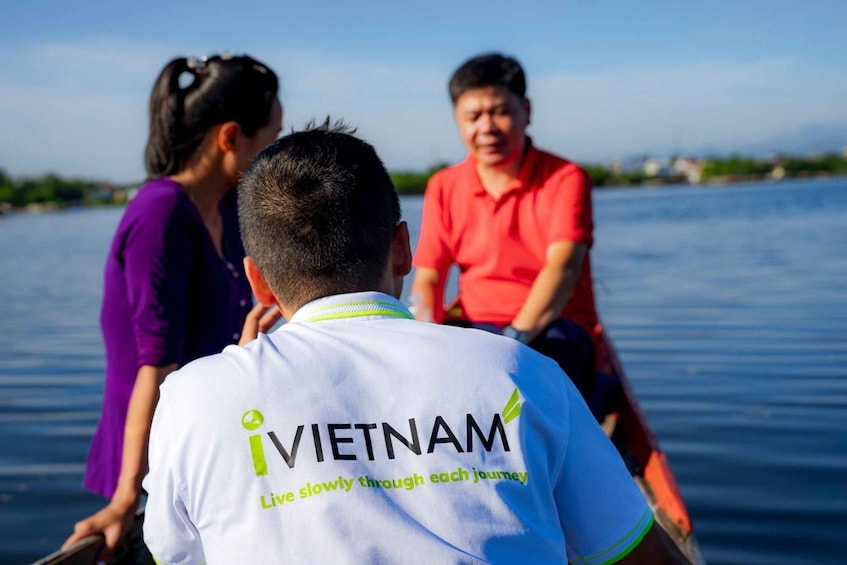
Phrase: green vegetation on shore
x=407 y=182
x=716 y=170
x=679 y=171
x=50 y=190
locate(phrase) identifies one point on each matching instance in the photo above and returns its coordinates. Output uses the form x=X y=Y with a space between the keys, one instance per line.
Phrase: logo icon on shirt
x=252 y=419
x=513 y=407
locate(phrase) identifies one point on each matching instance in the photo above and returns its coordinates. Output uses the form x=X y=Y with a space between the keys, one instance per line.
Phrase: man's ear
x=260 y=286
x=227 y=136
x=401 y=251
x=527 y=106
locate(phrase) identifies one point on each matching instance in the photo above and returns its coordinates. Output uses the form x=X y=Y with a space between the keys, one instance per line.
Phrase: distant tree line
x=737 y=167
x=833 y=164
x=732 y=168
x=602 y=175
x=54 y=190
x=408 y=182
x=741 y=168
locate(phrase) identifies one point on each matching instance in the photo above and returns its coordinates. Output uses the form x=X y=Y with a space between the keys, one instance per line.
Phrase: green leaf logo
x=513 y=408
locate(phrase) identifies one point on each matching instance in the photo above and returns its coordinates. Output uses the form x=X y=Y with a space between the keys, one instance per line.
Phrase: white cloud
x=722 y=104
x=80 y=108
x=403 y=110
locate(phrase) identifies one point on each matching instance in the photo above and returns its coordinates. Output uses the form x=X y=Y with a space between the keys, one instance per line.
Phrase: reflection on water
x=728 y=307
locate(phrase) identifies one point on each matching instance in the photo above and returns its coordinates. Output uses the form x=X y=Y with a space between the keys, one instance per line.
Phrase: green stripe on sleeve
x=624 y=546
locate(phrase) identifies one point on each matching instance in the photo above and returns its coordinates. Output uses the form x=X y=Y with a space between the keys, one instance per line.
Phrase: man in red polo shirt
x=518 y=223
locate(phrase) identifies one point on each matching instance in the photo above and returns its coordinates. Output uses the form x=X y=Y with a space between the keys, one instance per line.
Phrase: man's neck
x=495 y=180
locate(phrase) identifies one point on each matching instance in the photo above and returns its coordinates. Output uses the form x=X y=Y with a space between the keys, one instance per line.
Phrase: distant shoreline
x=53 y=206
x=51 y=191
x=729 y=181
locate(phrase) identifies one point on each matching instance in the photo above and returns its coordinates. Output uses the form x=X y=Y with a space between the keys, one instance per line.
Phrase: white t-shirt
x=354 y=434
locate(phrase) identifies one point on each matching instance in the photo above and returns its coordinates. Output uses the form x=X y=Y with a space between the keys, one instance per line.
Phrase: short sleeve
x=570 y=209
x=168 y=532
x=432 y=251
x=157 y=256
x=602 y=511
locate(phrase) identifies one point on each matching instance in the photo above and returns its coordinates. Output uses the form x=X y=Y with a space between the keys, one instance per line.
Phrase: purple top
x=168 y=298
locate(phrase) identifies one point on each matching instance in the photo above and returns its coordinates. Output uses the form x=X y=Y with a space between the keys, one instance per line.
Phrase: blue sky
x=607 y=79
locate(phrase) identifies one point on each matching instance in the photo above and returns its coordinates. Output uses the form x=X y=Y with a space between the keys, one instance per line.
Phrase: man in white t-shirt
x=355 y=434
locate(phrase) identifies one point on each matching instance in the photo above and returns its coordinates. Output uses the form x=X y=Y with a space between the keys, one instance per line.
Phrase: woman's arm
x=116 y=518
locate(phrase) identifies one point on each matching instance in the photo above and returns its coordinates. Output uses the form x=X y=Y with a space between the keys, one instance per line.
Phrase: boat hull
x=627 y=426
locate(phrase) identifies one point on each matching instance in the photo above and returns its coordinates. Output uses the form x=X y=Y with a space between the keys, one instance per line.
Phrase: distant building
x=688 y=168
x=616 y=167
x=657 y=167
x=104 y=193
x=628 y=165
x=777 y=173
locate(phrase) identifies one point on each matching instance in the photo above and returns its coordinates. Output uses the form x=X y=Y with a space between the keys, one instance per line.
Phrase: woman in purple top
x=175 y=288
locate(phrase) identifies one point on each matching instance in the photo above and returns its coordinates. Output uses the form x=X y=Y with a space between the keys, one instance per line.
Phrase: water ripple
x=728 y=307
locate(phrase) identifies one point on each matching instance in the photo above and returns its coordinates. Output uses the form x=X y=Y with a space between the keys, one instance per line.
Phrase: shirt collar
x=522 y=182
x=353 y=305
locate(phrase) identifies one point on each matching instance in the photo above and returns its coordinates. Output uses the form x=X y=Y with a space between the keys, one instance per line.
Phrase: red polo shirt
x=501 y=245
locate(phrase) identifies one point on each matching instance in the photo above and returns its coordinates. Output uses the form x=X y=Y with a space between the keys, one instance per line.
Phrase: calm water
x=728 y=307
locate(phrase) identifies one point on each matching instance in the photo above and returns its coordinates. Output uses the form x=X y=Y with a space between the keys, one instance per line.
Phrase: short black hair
x=317 y=211
x=490 y=69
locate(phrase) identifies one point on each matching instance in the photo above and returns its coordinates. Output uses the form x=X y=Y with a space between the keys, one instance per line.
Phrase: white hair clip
x=197 y=64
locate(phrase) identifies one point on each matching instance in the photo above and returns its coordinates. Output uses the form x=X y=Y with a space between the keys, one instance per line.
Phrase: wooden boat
x=86 y=550
x=83 y=552
x=626 y=425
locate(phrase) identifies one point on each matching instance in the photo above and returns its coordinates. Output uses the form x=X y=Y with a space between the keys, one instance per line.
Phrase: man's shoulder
x=160 y=193
x=159 y=202
x=209 y=372
x=451 y=174
x=561 y=167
